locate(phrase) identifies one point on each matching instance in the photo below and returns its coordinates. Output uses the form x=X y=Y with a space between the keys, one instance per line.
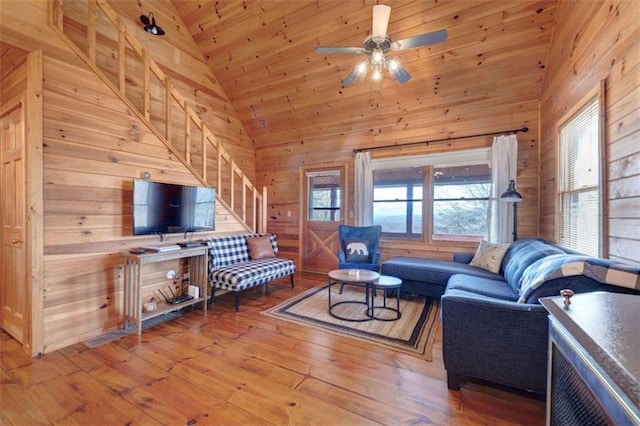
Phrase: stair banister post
x=167 y=125
x=91 y=30
x=263 y=219
x=122 y=39
x=145 y=84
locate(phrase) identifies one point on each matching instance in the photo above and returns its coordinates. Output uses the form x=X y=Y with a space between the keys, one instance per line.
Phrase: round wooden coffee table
x=360 y=277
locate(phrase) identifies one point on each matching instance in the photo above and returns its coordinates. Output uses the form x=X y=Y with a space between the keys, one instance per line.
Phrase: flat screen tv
x=164 y=208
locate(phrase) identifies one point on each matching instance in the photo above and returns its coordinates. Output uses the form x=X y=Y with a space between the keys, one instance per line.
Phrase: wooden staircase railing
x=133 y=78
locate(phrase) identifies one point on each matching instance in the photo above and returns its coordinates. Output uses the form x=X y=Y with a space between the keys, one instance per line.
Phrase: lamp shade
x=511 y=195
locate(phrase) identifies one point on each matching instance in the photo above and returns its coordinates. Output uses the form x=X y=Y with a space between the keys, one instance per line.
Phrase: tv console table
x=134 y=263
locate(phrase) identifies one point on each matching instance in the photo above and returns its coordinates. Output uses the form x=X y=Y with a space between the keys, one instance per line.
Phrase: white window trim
x=448 y=159
x=599 y=91
x=457 y=158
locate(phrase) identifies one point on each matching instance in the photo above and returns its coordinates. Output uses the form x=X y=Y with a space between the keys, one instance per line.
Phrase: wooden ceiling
x=263 y=54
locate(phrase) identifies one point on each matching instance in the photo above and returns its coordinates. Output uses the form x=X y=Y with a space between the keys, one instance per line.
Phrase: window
x=461 y=196
x=397 y=201
x=579 y=181
x=324 y=196
x=445 y=196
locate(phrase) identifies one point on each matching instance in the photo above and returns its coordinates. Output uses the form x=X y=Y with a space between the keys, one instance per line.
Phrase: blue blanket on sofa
x=557 y=266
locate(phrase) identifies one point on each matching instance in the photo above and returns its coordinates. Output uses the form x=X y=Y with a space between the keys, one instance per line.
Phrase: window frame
x=599 y=94
x=336 y=196
x=457 y=237
x=408 y=184
x=428 y=163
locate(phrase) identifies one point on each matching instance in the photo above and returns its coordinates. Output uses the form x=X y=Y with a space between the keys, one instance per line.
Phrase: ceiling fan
x=378 y=44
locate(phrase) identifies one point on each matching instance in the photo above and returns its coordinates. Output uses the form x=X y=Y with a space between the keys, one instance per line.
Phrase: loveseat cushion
x=496 y=289
x=243 y=275
x=520 y=255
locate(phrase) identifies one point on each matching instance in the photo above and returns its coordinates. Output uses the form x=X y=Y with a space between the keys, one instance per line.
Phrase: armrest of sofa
x=463 y=257
x=497 y=340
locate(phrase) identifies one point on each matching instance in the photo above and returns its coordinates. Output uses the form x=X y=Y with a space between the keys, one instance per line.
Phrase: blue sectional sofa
x=493 y=327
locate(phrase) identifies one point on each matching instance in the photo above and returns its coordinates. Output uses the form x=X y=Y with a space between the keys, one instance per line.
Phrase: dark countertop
x=607 y=326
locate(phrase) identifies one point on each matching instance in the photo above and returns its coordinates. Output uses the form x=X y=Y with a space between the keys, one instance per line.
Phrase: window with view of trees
x=458 y=201
x=461 y=196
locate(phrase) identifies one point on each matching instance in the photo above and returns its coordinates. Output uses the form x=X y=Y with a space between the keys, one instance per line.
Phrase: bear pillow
x=357 y=251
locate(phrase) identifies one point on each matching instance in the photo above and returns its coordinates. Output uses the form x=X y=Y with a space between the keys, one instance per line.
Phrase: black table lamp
x=512 y=196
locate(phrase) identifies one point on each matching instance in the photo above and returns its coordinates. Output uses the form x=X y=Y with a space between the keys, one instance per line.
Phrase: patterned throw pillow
x=357 y=251
x=260 y=248
x=489 y=256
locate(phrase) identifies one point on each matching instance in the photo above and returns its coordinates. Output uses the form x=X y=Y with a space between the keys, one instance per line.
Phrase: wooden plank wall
x=278 y=167
x=93 y=149
x=597 y=41
x=90 y=160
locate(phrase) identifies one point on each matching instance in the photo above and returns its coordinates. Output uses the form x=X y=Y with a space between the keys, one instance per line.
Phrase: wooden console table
x=134 y=263
x=594 y=359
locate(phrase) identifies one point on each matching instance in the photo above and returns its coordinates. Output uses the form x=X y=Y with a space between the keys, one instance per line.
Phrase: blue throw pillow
x=356 y=251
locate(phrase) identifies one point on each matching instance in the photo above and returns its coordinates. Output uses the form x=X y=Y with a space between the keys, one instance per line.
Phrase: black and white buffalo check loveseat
x=231 y=267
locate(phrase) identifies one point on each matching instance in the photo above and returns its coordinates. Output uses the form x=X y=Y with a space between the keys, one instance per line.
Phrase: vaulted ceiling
x=263 y=54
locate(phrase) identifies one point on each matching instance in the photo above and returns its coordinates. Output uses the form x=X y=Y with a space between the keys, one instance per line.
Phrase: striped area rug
x=412 y=334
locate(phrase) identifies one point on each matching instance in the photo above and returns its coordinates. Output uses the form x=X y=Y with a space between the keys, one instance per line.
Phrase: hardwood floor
x=244 y=368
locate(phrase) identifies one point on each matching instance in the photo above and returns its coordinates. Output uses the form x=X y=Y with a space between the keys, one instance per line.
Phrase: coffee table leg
x=345 y=302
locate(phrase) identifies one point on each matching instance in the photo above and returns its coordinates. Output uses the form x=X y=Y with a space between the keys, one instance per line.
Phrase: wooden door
x=13 y=295
x=323 y=207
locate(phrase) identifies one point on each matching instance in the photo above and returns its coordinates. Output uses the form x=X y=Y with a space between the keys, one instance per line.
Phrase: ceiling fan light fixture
x=377 y=56
x=376 y=46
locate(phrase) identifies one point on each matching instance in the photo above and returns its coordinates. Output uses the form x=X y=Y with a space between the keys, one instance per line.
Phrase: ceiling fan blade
x=422 y=40
x=381 y=14
x=338 y=49
x=400 y=74
x=351 y=78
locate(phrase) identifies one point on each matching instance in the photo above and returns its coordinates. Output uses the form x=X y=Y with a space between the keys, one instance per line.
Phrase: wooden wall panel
x=93 y=148
x=277 y=168
x=91 y=158
x=597 y=41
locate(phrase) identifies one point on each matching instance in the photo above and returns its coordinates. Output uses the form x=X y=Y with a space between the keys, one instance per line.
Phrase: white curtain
x=504 y=162
x=363 y=191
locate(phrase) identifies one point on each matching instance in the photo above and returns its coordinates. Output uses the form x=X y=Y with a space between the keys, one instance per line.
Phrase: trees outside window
x=455 y=205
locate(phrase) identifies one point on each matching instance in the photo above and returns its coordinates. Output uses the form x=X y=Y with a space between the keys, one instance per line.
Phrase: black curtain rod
x=523 y=129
